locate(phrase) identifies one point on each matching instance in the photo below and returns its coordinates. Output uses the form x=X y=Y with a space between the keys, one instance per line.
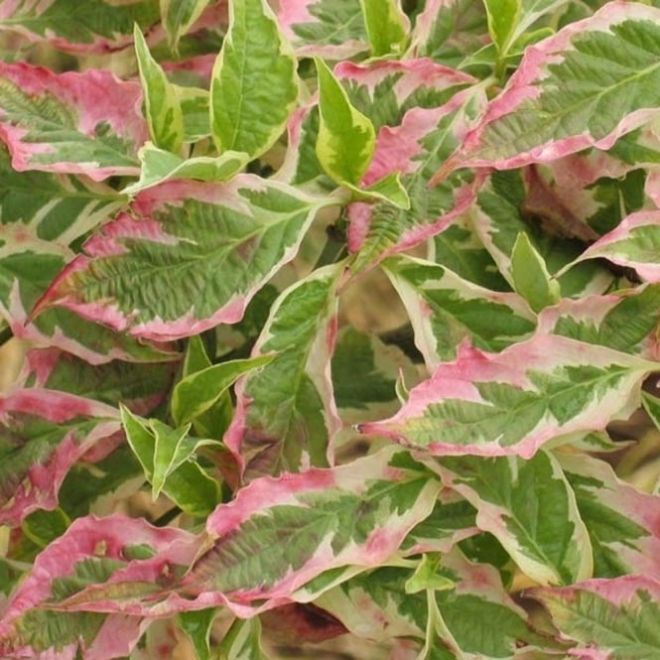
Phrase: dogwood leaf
x=179 y=16
x=387 y=26
x=511 y=403
x=222 y=241
x=530 y=275
x=285 y=412
x=79 y=26
x=445 y=309
x=162 y=107
x=614 y=618
x=254 y=87
x=530 y=508
x=44 y=433
x=80 y=123
x=610 y=67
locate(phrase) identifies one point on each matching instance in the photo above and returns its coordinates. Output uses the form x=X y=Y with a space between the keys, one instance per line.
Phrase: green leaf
x=530 y=508
x=346 y=138
x=242 y=641
x=254 y=86
x=43 y=527
x=652 y=406
x=616 y=618
x=387 y=26
x=503 y=17
x=426 y=576
x=178 y=16
x=197 y=625
x=194 y=103
x=161 y=101
x=285 y=417
x=530 y=275
x=198 y=392
x=164 y=455
x=388 y=189
x=159 y=166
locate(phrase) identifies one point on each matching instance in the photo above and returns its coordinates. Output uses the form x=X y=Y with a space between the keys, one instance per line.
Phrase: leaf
x=278 y=534
x=425 y=138
x=384 y=90
x=78 y=123
x=614 y=618
x=387 y=26
x=285 y=413
x=332 y=29
x=624 y=524
x=625 y=321
x=159 y=166
x=178 y=16
x=43 y=434
x=221 y=242
x=511 y=403
x=79 y=26
x=254 y=87
x=588 y=85
x=201 y=390
x=635 y=243
x=445 y=309
x=530 y=508
x=530 y=275
x=197 y=625
x=449 y=31
x=243 y=640
x=163 y=453
x=652 y=406
x=162 y=107
x=498 y=218
x=503 y=17
x=196 y=114
x=93 y=552
x=346 y=138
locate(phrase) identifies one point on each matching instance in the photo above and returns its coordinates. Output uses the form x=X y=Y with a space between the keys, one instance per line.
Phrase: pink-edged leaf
x=452 y=520
x=44 y=432
x=384 y=90
x=221 y=242
x=332 y=29
x=445 y=309
x=532 y=512
x=635 y=243
x=120 y=553
x=286 y=417
x=79 y=123
x=501 y=214
x=380 y=605
x=586 y=86
x=511 y=403
x=625 y=321
x=140 y=389
x=448 y=31
x=278 y=534
x=424 y=139
x=79 y=26
x=614 y=618
x=623 y=523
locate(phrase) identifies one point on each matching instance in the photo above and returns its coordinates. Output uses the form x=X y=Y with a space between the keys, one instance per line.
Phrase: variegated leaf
x=626 y=321
x=528 y=505
x=387 y=26
x=614 y=619
x=333 y=29
x=254 y=87
x=79 y=26
x=178 y=16
x=79 y=123
x=511 y=403
x=415 y=148
x=445 y=309
x=277 y=535
x=498 y=217
x=44 y=432
x=221 y=242
x=623 y=523
x=92 y=552
x=635 y=243
x=285 y=412
x=588 y=85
